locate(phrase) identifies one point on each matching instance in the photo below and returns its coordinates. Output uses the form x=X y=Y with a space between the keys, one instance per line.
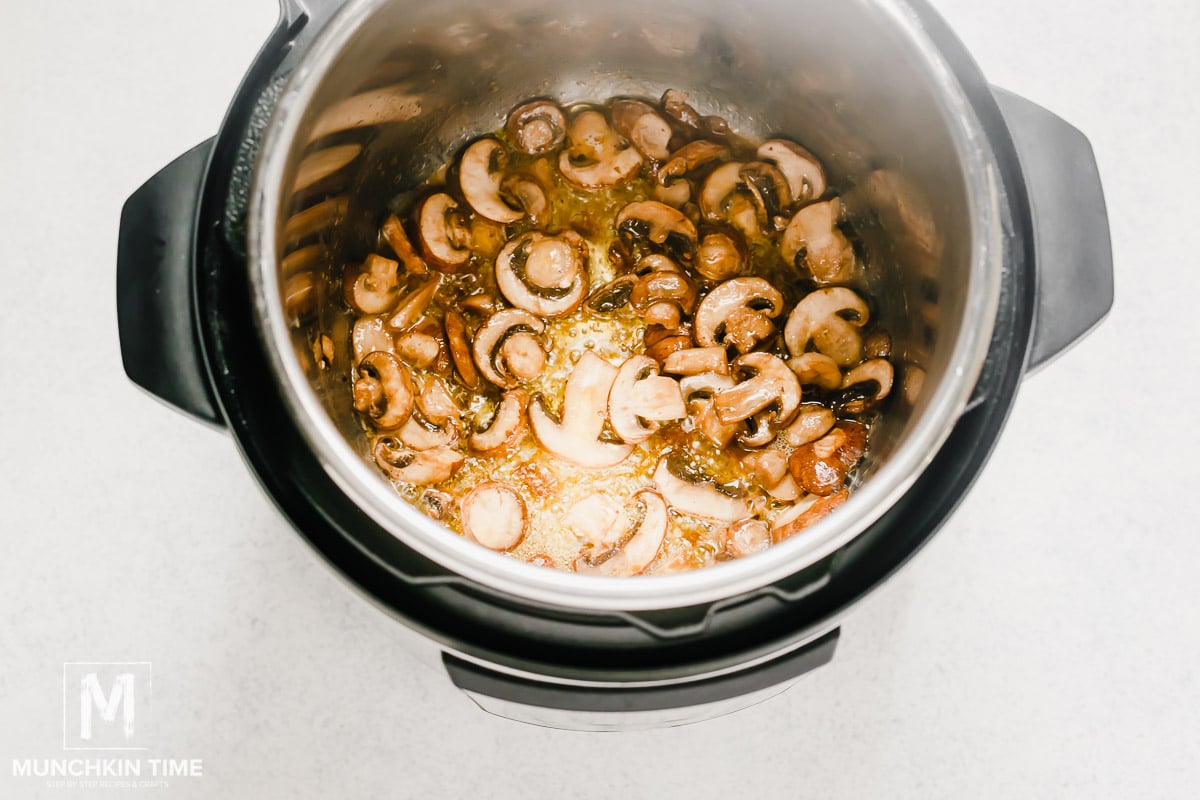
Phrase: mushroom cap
x=585 y=406
x=638 y=122
x=746 y=537
x=689 y=158
x=771 y=385
x=697 y=360
x=494 y=515
x=721 y=255
x=370 y=335
x=643 y=522
x=480 y=171
x=821 y=467
x=660 y=225
x=811 y=423
x=417 y=467
x=545 y=275
x=460 y=348
x=806 y=179
x=537 y=127
x=491 y=354
x=816 y=369
x=505 y=427
x=865 y=385
x=830 y=319
x=597 y=156
x=389 y=385
x=813 y=233
x=442 y=233
x=710 y=326
x=374 y=287
x=808 y=511
x=769 y=189
x=640 y=400
x=697 y=499
x=718 y=186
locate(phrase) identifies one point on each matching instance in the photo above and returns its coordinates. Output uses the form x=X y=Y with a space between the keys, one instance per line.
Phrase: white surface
x=1045 y=645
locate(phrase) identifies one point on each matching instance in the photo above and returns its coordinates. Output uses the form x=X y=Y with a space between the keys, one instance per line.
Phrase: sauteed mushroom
x=480 y=171
x=663 y=297
x=544 y=275
x=368 y=336
x=816 y=369
x=812 y=240
x=770 y=385
x=643 y=528
x=641 y=399
x=659 y=225
x=460 y=348
x=397 y=238
x=374 y=287
x=721 y=255
x=806 y=179
x=412 y=306
x=509 y=349
x=811 y=423
x=746 y=537
x=738 y=313
x=444 y=234
x=641 y=125
x=698 y=393
x=494 y=516
x=805 y=513
x=768 y=187
x=699 y=499
x=384 y=390
x=536 y=128
x=576 y=438
x=866 y=385
x=822 y=466
x=506 y=426
x=597 y=156
x=417 y=467
x=690 y=158
x=419 y=349
x=696 y=360
x=830 y=319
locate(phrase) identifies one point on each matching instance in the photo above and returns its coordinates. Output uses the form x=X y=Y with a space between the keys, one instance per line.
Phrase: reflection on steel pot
x=986 y=210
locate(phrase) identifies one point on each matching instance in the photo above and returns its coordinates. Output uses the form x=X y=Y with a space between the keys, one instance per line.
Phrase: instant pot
x=981 y=214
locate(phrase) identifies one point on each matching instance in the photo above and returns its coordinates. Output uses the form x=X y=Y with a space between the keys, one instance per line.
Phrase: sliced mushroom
x=640 y=124
x=373 y=288
x=643 y=529
x=509 y=348
x=721 y=255
x=494 y=515
x=690 y=158
x=384 y=390
x=814 y=242
x=698 y=392
x=659 y=225
x=675 y=106
x=612 y=295
x=811 y=423
x=594 y=519
x=768 y=187
x=417 y=467
x=536 y=128
x=815 y=369
x=419 y=349
x=434 y=503
x=545 y=275
x=459 y=341
x=830 y=320
x=397 y=238
x=738 y=312
x=865 y=386
x=419 y=433
x=505 y=427
x=805 y=178
x=822 y=466
x=878 y=344
x=640 y=400
x=529 y=194
x=436 y=403
x=664 y=297
x=576 y=438
x=444 y=233
x=596 y=155
x=368 y=336
x=805 y=513
x=787 y=490
x=769 y=467
x=696 y=360
x=718 y=186
x=698 y=499
x=771 y=385
x=481 y=303
x=676 y=194
x=746 y=537
x=412 y=307
x=480 y=171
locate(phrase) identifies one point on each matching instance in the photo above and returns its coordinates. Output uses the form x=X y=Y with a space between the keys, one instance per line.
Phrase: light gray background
x=1045 y=644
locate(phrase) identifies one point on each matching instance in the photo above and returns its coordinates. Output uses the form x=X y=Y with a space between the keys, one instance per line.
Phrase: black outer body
x=533 y=649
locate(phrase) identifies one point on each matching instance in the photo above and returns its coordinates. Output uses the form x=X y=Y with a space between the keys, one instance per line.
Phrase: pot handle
x=1073 y=252
x=156 y=314
x=615 y=707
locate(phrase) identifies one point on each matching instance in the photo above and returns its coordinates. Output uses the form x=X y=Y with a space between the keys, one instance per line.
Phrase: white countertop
x=1044 y=645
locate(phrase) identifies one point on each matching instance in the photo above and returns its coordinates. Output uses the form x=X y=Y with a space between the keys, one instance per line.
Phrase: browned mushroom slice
x=414 y=304
x=417 y=467
x=436 y=403
x=878 y=344
x=420 y=433
x=738 y=312
x=661 y=342
x=659 y=225
x=768 y=467
x=676 y=194
x=368 y=336
x=721 y=255
x=768 y=187
x=320 y=165
x=536 y=128
x=815 y=369
x=643 y=529
x=597 y=156
x=544 y=275
x=384 y=390
x=529 y=194
x=675 y=106
x=698 y=392
x=397 y=238
x=641 y=400
x=419 y=349
x=770 y=385
x=459 y=343
x=830 y=320
x=505 y=427
x=373 y=288
x=664 y=297
x=594 y=519
x=638 y=122
x=480 y=171
x=696 y=360
x=718 y=187
x=865 y=386
x=805 y=178
x=805 y=513
x=746 y=537
x=813 y=241
x=822 y=466
x=690 y=158
x=435 y=504
x=698 y=499
x=612 y=295
x=481 y=303
x=811 y=423
x=494 y=515
x=444 y=233
x=509 y=347
x=576 y=438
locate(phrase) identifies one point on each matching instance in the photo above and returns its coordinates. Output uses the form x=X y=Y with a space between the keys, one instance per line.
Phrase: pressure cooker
x=985 y=210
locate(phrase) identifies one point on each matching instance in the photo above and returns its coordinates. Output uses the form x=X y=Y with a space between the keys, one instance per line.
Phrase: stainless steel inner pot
x=858 y=82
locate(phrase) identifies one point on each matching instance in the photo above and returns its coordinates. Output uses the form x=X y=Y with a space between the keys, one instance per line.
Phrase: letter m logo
x=105 y=705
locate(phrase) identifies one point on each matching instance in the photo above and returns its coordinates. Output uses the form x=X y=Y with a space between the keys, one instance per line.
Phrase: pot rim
x=371 y=492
